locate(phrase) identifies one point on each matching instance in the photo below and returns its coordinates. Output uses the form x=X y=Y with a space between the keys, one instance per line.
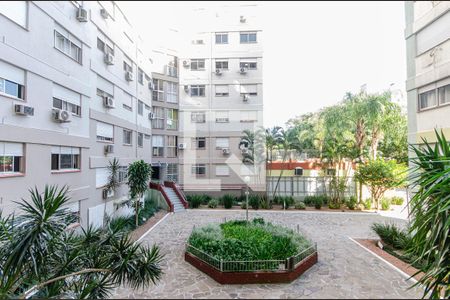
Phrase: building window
x=222 y=90
x=197 y=64
x=11 y=158
x=199 y=169
x=172 y=146
x=200 y=143
x=197 y=90
x=122 y=174
x=68 y=47
x=12 y=89
x=127 y=67
x=101 y=94
x=158 y=146
x=127 y=137
x=248 y=37
x=172 y=92
x=65 y=158
x=158 y=91
x=249 y=89
x=444 y=94
x=105 y=132
x=248 y=64
x=172 y=119
x=298 y=171
x=140 y=76
x=222 y=143
x=248 y=116
x=221 y=38
x=221 y=64
x=140 y=139
x=105 y=47
x=222 y=117
x=64 y=105
x=140 y=107
x=172 y=172
x=222 y=170
x=158 y=118
x=427 y=99
x=198 y=117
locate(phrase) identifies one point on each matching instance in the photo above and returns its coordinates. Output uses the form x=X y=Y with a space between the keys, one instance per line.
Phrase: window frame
x=197 y=141
x=70 y=44
x=20 y=89
x=196 y=168
x=248 y=33
x=65 y=106
x=195 y=117
x=221 y=62
x=196 y=62
x=198 y=88
x=75 y=159
x=125 y=133
x=221 y=35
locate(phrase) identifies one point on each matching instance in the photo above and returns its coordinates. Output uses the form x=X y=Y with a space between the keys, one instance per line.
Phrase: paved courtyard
x=344 y=270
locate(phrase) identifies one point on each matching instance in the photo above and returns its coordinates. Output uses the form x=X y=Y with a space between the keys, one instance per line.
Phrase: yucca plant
x=430 y=209
x=41 y=258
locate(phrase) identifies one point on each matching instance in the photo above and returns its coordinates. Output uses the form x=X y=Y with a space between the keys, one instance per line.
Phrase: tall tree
x=138 y=174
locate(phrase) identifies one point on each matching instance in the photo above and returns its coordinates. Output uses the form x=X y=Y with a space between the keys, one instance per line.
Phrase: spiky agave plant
x=40 y=258
x=430 y=209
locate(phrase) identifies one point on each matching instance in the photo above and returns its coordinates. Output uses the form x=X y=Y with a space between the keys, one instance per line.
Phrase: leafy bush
x=243 y=205
x=228 y=200
x=311 y=200
x=194 y=200
x=254 y=201
x=351 y=202
x=334 y=205
x=300 y=205
x=213 y=203
x=392 y=235
x=367 y=204
x=318 y=202
x=284 y=200
x=385 y=204
x=256 y=240
x=396 y=200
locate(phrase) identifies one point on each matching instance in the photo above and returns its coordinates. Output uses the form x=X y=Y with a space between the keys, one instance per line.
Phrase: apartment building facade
x=427 y=36
x=221 y=95
x=75 y=92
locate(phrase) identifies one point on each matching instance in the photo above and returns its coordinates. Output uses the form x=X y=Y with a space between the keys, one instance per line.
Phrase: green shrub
x=194 y=200
x=334 y=205
x=392 y=235
x=243 y=205
x=300 y=205
x=385 y=204
x=258 y=221
x=311 y=200
x=351 y=202
x=213 y=203
x=318 y=202
x=254 y=201
x=228 y=201
x=367 y=204
x=284 y=201
x=396 y=200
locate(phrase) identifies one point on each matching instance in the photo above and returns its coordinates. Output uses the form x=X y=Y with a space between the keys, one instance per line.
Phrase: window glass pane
x=7 y=163
x=17 y=161
x=2 y=85
x=444 y=94
x=427 y=99
x=225 y=39
x=218 y=39
x=76 y=161
x=244 y=38
x=252 y=37
x=60 y=41
x=100 y=45
x=11 y=88
x=55 y=161
x=66 y=161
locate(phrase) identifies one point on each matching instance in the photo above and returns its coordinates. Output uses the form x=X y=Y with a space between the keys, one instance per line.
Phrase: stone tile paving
x=344 y=270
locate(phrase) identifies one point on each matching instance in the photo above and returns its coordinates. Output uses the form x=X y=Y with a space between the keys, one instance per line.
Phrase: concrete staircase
x=174 y=199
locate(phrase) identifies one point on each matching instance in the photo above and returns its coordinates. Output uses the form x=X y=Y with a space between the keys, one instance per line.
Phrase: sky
x=314 y=52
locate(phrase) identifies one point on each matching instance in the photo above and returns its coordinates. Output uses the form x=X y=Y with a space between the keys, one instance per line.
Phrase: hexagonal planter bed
x=237 y=252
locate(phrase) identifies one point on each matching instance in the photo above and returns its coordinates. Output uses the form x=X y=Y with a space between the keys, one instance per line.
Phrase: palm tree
x=113 y=181
x=41 y=257
x=273 y=136
x=247 y=144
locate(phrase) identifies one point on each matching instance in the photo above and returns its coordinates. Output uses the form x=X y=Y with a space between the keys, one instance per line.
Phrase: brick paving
x=344 y=270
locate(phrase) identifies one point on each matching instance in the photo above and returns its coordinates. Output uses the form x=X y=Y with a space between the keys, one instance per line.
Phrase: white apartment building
x=221 y=95
x=427 y=36
x=75 y=91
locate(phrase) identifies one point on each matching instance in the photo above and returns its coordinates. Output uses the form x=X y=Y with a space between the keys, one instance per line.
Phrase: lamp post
x=247 y=180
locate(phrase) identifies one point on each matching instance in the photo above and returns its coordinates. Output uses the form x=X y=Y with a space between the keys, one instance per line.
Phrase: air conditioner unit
x=82 y=14
x=108 y=102
x=218 y=72
x=182 y=146
x=197 y=42
x=226 y=151
x=62 y=116
x=186 y=63
x=129 y=76
x=245 y=98
x=151 y=86
x=104 y=13
x=23 y=110
x=151 y=116
x=109 y=149
x=109 y=59
x=186 y=88
x=243 y=70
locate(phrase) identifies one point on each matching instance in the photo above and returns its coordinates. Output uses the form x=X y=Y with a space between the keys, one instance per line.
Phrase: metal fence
x=252 y=265
x=302 y=186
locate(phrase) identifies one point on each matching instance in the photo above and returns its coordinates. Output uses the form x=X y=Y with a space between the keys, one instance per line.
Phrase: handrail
x=177 y=191
x=158 y=187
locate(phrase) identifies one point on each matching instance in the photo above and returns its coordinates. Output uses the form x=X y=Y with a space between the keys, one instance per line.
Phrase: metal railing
x=252 y=265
